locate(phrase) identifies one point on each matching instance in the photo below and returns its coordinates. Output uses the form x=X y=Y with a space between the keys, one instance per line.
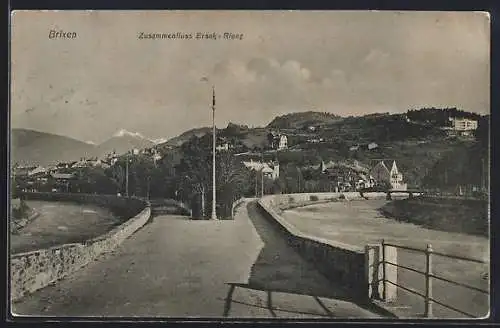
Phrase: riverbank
x=449 y=215
x=59 y=223
x=359 y=223
x=21 y=215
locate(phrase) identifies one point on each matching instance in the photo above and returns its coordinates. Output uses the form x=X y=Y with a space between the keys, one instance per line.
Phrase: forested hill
x=439 y=116
x=303 y=120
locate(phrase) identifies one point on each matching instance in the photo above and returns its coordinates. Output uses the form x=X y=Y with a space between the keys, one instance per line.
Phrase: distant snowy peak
x=137 y=135
x=123 y=133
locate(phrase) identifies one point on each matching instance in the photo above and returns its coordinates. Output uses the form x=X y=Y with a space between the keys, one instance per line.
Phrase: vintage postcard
x=249 y=164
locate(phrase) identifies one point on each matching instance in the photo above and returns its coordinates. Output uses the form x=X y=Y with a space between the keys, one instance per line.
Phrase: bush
x=20 y=212
x=291 y=199
x=313 y=198
x=342 y=196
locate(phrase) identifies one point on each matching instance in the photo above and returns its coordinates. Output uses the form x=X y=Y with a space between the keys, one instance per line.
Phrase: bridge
x=388 y=193
x=411 y=192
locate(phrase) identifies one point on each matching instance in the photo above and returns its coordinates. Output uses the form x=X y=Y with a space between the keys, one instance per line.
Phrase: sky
x=348 y=63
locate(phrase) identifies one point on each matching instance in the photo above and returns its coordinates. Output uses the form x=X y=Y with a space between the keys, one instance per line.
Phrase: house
x=37 y=171
x=381 y=173
x=372 y=145
x=62 y=181
x=270 y=170
x=354 y=148
x=283 y=142
x=223 y=147
x=462 y=126
x=315 y=140
x=22 y=171
x=397 y=178
x=157 y=157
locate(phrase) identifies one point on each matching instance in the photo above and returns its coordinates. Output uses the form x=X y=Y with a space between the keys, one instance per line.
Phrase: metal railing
x=429 y=276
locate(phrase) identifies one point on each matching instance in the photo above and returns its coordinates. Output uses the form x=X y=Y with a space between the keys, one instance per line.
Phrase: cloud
x=364 y=62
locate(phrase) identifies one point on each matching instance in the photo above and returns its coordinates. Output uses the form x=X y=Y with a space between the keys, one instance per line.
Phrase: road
x=175 y=267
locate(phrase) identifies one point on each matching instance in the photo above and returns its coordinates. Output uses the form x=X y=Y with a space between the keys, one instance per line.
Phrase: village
x=346 y=175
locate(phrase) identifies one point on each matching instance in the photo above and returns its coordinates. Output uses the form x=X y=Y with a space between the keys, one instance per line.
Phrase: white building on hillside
x=270 y=170
x=283 y=144
x=396 y=178
x=463 y=124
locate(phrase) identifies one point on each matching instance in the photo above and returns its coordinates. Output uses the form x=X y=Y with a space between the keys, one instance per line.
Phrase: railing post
x=428 y=281
x=384 y=276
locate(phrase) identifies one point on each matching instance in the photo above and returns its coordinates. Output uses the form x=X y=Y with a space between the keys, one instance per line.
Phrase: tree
x=195 y=177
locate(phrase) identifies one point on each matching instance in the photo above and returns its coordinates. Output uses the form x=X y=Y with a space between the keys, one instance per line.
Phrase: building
x=462 y=126
x=23 y=171
x=37 y=171
x=372 y=146
x=381 y=174
x=224 y=147
x=396 y=181
x=62 y=181
x=354 y=148
x=283 y=143
x=270 y=170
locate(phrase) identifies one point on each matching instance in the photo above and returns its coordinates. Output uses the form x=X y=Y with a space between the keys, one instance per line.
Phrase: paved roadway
x=174 y=267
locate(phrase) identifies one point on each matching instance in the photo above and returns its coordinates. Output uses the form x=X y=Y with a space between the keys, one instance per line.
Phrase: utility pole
x=126 y=175
x=202 y=201
x=256 y=189
x=214 y=212
x=483 y=180
x=262 y=176
x=262 y=182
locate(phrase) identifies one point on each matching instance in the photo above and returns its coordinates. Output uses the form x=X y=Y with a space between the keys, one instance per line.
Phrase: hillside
x=463 y=166
x=379 y=128
x=29 y=147
x=121 y=144
x=302 y=120
x=185 y=136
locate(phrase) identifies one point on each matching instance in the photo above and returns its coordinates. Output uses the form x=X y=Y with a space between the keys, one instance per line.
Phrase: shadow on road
x=279 y=268
x=269 y=303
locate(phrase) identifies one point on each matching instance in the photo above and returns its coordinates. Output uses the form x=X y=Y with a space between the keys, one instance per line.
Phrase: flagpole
x=214 y=212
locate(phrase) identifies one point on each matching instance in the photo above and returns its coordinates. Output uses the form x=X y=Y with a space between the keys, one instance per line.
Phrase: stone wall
x=34 y=270
x=341 y=263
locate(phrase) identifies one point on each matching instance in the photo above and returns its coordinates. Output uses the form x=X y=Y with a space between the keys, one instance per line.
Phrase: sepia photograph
x=258 y=164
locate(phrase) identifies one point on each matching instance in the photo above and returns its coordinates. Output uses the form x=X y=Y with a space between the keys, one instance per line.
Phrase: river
x=60 y=223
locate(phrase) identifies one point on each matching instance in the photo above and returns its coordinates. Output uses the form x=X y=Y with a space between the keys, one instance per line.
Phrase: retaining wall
x=34 y=270
x=341 y=263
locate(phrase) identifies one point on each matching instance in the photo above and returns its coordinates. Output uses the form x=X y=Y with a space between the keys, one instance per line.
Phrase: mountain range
x=29 y=147
x=34 y=147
